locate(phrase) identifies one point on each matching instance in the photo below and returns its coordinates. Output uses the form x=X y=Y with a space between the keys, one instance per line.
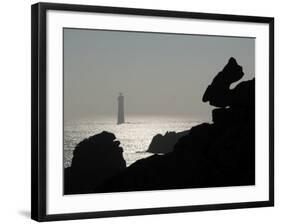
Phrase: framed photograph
x=139 y=111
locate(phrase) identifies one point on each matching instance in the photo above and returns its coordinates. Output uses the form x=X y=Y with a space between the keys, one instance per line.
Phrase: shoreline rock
x=94 y=159
x=162 y=144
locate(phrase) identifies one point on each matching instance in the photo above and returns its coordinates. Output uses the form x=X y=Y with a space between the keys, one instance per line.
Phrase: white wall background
x=15 y=110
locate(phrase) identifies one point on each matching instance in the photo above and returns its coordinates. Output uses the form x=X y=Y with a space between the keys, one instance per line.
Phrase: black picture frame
x=38 y=108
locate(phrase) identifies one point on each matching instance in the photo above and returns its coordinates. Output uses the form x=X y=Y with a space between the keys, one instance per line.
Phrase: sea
x=134 y=135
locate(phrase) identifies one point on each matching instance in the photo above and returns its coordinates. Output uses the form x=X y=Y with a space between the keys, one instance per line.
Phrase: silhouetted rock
x=218 y=93
x=210 y=155
x=162 y=144
x=94 y=159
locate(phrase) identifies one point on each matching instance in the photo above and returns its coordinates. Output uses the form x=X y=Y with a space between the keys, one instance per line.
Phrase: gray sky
x=159 y=74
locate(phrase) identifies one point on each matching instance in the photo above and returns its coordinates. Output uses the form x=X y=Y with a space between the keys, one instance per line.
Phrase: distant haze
x=158 y=74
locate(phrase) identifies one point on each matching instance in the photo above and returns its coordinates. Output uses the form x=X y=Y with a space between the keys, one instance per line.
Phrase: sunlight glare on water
x=135 y=135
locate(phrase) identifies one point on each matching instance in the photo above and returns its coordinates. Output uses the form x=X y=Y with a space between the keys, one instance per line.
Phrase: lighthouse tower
x=121 y=117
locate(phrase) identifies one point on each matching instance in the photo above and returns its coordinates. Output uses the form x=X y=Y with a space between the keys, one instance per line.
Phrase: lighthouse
x=121 y=117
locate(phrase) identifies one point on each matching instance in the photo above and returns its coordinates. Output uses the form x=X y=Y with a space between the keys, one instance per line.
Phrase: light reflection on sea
x=135 y=135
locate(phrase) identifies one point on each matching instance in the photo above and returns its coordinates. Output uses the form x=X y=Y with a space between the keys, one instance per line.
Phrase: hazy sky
x=159 y=74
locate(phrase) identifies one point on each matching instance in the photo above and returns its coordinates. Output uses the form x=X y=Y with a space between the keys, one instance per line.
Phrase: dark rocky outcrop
x=211 y=155
x=94 y=159
x=218 y=93
x=162 y=144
